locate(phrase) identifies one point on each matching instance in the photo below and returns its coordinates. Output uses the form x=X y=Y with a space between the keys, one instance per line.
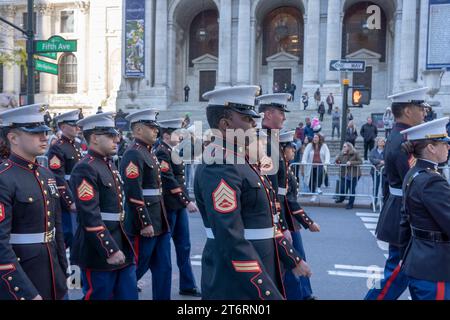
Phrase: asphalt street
x=345 y=256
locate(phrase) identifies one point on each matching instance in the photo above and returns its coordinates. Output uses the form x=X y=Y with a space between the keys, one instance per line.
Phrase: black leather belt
x=430 y=235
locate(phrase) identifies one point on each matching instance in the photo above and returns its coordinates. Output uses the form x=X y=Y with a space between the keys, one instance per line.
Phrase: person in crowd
x=336 y=122
x=321 y=110
x=369 y=132
x=388 y=122
x=376 y=158
x=315 y=157
x=351 y=133
x=305 y=100
x=330 y=103
x=350 y=173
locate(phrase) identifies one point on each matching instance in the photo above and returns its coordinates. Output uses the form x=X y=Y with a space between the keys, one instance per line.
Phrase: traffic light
x=361 y=96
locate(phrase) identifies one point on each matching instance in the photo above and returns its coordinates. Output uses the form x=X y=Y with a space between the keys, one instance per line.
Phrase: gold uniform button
x=30 y=199
x=106 y=242
x=37 y=174
x=111 y=250
x=45 y=192
x=16 y=289
x=18 y=259
x=110 y=184
x=260 y=281
x=48 y=202
x=9 y=278
x=291 y=251
x=102 y=235
x=22 y=298
x=298 y=259
x=49 y=224
x=267 y=293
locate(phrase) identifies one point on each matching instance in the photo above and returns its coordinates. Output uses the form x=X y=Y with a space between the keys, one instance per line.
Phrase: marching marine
x=33 y=260
x=62 y=158
x=146 y=221
x=101 y=247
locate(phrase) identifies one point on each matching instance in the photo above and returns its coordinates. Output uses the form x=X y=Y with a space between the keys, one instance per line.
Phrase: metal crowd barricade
x=339 y=181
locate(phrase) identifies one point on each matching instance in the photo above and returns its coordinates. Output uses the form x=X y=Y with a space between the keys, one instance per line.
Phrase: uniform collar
x=166 y=145
x=65 y=139
x=428 y=164
x=401 y=126
x=23 y=162
x=142 y=143
x=97 y=155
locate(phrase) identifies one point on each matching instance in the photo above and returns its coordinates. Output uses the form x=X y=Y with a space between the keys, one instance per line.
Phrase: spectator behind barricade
x=336 y=122
x=349 y=116
x=315 y=156
x=316 y=126
x=388 y=122
x=300 y=132
x=48 y=119
x=53 y=138
x=309 y=132
x=80 y=115
x=351 y=133
x=350 y=173
x=376 y=158
x=369 y=132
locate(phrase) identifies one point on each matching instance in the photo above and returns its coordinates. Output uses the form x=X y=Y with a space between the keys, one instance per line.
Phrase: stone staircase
x=297 y=114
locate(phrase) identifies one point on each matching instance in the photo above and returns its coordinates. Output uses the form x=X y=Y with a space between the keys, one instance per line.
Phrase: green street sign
x=47 y=67
x=55 y=44
x=50 y=55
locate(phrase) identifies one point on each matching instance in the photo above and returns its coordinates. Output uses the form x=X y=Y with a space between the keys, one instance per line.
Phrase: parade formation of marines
x=117 y=222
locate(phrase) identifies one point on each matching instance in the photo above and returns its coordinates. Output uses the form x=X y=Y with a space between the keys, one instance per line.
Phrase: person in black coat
x=369 y=132
x=426 y=216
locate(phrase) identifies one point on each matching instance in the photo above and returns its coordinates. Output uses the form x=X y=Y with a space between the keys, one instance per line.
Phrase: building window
x=356 y=35
x=67 y=22
x=1 y=77
x=204 y=35
x=283 y=31
x=25 y=21
x=67 y=78
x=23 y=81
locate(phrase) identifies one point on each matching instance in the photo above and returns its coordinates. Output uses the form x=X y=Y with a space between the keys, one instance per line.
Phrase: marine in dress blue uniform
x=62 y=158
x=33 y=260
x=277 y=101
x=101 y=247
x=177 y=203
x=296 y=288
x=146 y=221
x=244 y=248
x=397 y=163
x=427 y=213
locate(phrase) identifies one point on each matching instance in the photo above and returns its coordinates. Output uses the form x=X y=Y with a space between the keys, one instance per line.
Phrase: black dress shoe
x=311 y=298
x=191 y=292
x=349 y=207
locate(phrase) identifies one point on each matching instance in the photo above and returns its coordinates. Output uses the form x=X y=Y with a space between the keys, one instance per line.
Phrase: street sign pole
x=346 y=82
x=30 y=53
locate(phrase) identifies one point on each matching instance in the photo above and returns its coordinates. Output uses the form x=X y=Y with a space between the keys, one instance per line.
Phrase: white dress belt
x=276 y=218
x=282 y=191
x=250 y=234
x=109 y=216
x=32 y=238
x=396 y=192
x=151 y=192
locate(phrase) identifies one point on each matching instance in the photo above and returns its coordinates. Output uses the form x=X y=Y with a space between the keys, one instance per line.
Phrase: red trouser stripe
x=91 y=288
x=440 y=294
x=136 y=250
x=389 y=282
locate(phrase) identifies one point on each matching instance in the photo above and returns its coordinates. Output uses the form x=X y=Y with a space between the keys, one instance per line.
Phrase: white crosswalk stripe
x=342 y=270
x=370 y=221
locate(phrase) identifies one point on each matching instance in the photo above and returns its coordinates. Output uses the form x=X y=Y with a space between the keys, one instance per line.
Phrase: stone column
x=408 y=41
x=243 y=47
x=397 y=61
x=161 y=47
x=334 y=36
x=224 y=76
x=9 y=12
x=82 y=27
x=44 y=24
x=311 y=52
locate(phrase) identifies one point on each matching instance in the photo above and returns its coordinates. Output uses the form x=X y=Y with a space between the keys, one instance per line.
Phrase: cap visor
x=251 y=113
x=39 y=129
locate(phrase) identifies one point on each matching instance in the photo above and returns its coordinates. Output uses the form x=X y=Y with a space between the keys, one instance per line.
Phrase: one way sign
x=348 y=65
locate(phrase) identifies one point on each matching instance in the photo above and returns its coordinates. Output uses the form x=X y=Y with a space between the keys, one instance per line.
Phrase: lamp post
x=432 y=79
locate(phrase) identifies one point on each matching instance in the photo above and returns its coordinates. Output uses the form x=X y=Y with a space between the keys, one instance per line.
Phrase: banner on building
x=438 y=47
x=134 y=38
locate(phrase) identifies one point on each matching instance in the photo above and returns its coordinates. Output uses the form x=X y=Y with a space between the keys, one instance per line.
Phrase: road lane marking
x=366 y=219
